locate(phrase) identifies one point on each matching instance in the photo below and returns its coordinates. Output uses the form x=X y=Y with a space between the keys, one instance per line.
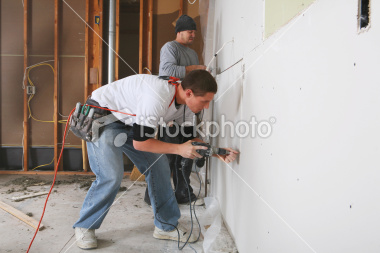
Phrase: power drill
x=204 y=153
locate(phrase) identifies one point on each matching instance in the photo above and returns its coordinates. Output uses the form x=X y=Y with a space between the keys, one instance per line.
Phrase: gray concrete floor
x=128 y=227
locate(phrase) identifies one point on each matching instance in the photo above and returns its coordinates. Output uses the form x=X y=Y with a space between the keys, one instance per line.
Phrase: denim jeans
x=106 y=161
x=181 y=182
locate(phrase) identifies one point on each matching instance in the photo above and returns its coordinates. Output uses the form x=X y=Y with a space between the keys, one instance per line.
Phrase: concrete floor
x=128 y=227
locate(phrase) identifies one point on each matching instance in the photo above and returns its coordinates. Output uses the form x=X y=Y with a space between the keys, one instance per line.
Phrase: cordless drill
x=204 y=153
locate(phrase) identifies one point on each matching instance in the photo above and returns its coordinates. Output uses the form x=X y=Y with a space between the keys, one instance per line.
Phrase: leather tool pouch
x=83 y=118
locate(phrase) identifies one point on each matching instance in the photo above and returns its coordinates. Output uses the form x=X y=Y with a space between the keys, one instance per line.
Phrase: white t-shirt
x=147 y=96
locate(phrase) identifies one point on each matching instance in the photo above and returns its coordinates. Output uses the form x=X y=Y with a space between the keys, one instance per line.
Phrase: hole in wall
x=364 y=14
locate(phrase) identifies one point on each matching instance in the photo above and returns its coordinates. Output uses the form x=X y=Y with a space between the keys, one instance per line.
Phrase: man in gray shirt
x=177 y=60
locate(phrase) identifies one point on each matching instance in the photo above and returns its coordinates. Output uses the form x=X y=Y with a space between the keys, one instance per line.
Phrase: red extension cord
x=55 y=175
x=56 y=169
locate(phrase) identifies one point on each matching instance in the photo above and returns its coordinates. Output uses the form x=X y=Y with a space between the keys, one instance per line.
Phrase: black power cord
x=188 y=190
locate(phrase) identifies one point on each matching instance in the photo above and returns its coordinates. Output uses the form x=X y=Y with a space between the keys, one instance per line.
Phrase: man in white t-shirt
x=149 y=101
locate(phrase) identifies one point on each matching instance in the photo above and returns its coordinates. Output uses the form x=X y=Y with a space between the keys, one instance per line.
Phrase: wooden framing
x=56 y=70
x=99 y=42
x=146 y=35
x=26 y=125
x=20 y=215
x=141 y=36
x=93 y=56
x=180 y=12
x=150 y=34
x=117 y=38
x=86 y=81
x=93 y=60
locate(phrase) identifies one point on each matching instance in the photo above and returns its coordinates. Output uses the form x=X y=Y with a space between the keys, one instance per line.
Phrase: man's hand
x=194 y=67
x=187 y=150
x=230 y=157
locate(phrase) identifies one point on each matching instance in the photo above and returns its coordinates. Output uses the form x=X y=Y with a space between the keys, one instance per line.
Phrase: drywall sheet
x=280 y=12
x=312 y=185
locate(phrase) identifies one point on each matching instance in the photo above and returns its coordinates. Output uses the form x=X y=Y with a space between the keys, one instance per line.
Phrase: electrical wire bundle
x=27 y=75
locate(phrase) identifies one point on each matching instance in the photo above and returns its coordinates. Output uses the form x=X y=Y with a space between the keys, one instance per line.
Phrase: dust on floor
x=128 y=226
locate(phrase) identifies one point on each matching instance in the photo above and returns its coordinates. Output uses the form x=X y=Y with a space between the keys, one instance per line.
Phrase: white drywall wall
x=313 y=185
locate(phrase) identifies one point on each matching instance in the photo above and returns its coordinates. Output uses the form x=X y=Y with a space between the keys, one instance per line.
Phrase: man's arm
x=155 y=146
x=186 y=149
x=228 y=158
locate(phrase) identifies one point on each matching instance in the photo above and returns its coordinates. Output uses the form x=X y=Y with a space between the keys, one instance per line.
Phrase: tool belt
x=83 y=118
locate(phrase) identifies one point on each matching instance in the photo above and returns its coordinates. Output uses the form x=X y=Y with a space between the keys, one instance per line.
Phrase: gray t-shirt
x=174 y=57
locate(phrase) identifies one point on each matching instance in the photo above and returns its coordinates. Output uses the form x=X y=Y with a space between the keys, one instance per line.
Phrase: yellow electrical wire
x=44 y=164
x=30 y=98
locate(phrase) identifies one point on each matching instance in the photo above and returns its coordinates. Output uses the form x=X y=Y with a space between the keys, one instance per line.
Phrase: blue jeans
x=106 y=161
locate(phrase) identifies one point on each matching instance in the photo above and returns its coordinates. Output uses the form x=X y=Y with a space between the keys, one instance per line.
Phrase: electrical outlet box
x=30 y=90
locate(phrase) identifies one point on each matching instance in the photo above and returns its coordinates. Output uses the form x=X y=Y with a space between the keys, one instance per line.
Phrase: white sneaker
x=173 y=235
x=86 y=238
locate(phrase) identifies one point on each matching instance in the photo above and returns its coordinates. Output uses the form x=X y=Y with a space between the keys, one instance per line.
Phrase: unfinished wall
x=41 y=48
x=312 y=185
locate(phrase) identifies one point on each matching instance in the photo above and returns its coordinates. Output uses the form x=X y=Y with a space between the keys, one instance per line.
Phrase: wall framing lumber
x=180 y=12
x=93 y=56
x=86 y=80
x=141 y=36
x=56 y=70
x=150 y=34
x=21 y=216
x=146 y=35
x=117 y=38
x=25 y=124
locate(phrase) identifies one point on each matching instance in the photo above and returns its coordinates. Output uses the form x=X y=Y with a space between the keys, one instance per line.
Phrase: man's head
x=185 y=29
x=199 y=88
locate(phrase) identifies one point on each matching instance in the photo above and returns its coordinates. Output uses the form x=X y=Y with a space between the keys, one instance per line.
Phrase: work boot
x=85 y=238
x=173 y=234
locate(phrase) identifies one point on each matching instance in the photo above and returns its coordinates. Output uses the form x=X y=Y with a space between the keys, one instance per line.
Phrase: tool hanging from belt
x=83 y=117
